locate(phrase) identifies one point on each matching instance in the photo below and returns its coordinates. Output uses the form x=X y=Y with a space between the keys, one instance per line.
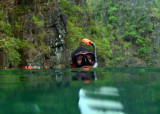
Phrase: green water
x=101 y=91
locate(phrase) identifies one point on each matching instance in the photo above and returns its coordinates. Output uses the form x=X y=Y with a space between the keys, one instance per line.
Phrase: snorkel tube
x=89 y=42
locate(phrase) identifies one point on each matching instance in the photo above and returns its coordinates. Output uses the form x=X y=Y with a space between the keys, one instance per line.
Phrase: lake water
x=72 y=91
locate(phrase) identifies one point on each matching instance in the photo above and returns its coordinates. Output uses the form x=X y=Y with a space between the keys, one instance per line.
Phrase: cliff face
x=44 y=27
x=50 y=36
x=125 y=32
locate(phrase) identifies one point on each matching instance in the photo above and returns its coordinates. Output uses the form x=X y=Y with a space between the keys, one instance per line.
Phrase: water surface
x=71 y=91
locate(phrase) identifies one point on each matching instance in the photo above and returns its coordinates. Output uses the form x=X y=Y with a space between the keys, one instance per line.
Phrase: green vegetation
x=37 y=22
x=40 y=34
x=122 y=30
x=79 y=27
x=119 y=27
x=12 y=27
x=75 y=32
x=8 y=42
x=126 y=23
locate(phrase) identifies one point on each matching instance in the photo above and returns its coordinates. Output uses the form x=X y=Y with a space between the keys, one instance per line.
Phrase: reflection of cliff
x=97 y=101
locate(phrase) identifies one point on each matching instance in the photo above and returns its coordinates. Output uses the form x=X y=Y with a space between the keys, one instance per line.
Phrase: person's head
x=82 y=58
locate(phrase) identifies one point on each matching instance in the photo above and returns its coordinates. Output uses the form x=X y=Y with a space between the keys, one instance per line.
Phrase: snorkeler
x=83 y=57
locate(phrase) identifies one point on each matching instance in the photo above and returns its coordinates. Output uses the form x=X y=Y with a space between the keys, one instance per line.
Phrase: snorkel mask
x=89 y=42
x=84 y=59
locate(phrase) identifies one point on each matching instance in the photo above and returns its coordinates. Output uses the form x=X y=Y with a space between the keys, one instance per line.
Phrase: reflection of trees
x=35 y=91
x=12 y=79
x=52 y=91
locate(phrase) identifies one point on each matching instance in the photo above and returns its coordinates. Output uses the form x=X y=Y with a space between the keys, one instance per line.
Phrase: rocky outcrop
x=43 y=25
x=48 y=38
x=48 y=50
x=44 y=29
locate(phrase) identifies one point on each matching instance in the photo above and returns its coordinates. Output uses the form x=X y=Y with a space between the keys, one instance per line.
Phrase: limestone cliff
x=44 y=27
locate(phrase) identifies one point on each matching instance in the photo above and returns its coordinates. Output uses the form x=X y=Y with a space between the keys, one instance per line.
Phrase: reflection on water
x=84 y=75
x=101 y=91
x=90 y=102
x=93 y=102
